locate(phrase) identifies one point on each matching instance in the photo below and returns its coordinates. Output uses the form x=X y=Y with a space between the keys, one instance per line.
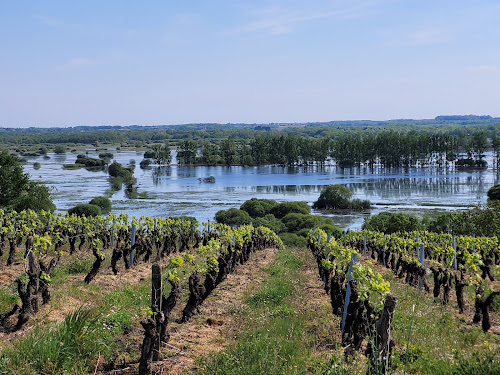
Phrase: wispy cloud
x=277 y=20
x=77 y=63
x=420 y=37
x=49 y=21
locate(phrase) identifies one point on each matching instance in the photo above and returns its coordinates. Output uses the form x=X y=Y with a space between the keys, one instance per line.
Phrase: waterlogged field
x=177 y=190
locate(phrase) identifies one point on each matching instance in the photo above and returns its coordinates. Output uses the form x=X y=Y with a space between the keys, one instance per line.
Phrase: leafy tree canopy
x=258 y=207
x=233 y=216
x=333 y=197
x=17 y=191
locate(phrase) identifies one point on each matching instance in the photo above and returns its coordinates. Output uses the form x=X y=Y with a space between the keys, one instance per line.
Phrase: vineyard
x=115 y=294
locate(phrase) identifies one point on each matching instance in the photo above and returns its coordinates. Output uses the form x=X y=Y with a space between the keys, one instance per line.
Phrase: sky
x=70 y=63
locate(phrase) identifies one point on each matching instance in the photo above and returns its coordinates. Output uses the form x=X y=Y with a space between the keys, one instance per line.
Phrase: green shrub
x=449 y=222
x=59 y=149
x=390 y=222
x=106 y=155
x=359 y=205
x=282 y=209
x=270 y=222
x=85 y=209
x=36 y=197
x=258 y=207
x=145 y=163
x=233 y=216
x=292 y=240
x=102 y=202
x=494 y=193
x=89 y=162
x=149 y=154
x=295 y=222
x=334 y=230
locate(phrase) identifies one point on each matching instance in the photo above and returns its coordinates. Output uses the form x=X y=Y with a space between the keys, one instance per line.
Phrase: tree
x=17 y=191
x=36 y=197
x=186 y=152
x=12 y=178
x=334 y=197
x=161 y=154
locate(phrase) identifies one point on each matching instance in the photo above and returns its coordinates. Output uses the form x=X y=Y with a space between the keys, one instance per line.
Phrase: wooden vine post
x=152 y=326
x=354 y=258
x=380 y=354
x=156 y=294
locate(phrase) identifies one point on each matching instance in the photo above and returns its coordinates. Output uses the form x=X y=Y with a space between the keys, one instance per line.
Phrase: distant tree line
x=387 y=148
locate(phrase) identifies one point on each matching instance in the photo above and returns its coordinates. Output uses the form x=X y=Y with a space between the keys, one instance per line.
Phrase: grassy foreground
x=282 y=332
x=284 y=326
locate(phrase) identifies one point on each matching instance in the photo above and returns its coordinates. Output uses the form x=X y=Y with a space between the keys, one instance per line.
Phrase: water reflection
x=176 y=190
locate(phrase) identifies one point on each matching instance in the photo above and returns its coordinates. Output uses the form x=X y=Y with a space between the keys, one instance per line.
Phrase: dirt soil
x=212 y=329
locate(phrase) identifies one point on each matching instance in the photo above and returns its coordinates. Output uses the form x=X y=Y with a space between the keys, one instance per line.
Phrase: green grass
x=275 y=337
x=8 y=298
x=442 y=341
x=66 y=348
x=73 y=346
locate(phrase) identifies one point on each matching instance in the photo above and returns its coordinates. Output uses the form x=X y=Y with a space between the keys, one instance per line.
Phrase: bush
x=118 y=171
x=449 y=222
x=292 y=240
x=295 y=222
x=102 y=202
x=494 y=193
x=85 y=210
x=334 y=230
x=282 y=209
x=337 y=197
x=258 y=207
x=60 y=149
x=36 y=197
x=333 y=197
x=359 y=205
x=145 y=163
x=106 y=155
x=89 y=162
x=233 y=216
x=389 y=222
x=270 y=222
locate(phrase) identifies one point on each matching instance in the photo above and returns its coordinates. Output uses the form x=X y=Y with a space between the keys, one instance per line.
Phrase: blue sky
x=68 y=63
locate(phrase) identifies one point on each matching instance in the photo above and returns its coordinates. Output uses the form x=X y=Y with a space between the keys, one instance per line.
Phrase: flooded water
x=176 y=190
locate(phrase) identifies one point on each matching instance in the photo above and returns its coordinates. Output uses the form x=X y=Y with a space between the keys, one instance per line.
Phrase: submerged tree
x=161 y=154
